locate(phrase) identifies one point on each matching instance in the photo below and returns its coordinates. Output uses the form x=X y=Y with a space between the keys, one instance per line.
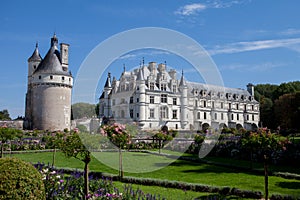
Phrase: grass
x=178 y=170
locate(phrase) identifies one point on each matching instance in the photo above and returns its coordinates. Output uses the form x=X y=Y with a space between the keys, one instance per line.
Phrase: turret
x=142 y=96
x=33 y=61
x=183 y=102
x=107 y=91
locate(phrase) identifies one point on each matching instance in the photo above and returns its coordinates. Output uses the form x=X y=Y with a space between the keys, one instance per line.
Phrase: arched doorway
x=239 y=126
x=205 y=126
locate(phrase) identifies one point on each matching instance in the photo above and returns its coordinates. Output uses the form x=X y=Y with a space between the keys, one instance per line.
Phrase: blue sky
x=249 y=40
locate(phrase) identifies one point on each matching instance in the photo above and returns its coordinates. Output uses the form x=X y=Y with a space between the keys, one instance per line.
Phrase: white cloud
x=142 y=53
x=290 y=31
x=260 y=67
x=190 y=9
x=253 y=45
x=195 y=8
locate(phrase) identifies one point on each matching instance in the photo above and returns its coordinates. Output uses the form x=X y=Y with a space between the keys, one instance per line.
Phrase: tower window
x=174 y=88
x=131 y=113
x=151 y=86
x=34 y=67
x=151 y=99
x=174 y=101
x=174 y=114
x=63 y=78
x=163 y=98
x=163 y=112
x=163 y=87
x=151 y=113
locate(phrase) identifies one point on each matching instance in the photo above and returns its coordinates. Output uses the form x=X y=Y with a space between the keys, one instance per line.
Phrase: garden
x=234 y=169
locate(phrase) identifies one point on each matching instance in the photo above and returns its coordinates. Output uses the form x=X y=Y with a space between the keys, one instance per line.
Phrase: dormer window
x=163 y=87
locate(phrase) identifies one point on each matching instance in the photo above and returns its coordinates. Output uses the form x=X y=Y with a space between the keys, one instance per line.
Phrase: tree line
x=279 y=105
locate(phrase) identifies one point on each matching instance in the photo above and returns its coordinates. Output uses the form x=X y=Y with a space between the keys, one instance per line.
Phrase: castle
x=152 y=97
x=49 y=89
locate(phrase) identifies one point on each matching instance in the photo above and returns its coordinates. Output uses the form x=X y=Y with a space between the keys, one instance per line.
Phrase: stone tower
x=48 y=97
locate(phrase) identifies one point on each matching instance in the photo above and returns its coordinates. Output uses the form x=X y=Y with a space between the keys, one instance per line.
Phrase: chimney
x=64 y=51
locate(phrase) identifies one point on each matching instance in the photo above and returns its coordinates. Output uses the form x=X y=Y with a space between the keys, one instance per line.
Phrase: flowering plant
x=117 y=134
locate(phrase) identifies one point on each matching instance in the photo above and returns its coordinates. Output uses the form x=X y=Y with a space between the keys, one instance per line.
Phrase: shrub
x=20 y=180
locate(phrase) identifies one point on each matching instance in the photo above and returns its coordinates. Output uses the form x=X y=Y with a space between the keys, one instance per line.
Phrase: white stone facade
x=152 y=96
x=49 y=91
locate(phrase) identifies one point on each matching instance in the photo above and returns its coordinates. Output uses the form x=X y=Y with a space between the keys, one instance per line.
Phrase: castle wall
x=51 y=107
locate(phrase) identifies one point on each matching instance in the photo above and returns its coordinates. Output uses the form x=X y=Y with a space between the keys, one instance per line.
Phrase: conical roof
x=182 y=81
x=108 y=83
x=51 y=63
x=35 y=55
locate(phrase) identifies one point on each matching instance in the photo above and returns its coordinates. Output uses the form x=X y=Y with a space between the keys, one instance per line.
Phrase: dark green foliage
x=271 y=114
x=4 y=115
x=20 y=180
x=81 y=110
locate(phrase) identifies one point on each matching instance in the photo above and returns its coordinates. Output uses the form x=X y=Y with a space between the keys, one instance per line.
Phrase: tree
x=4 y=115
x=266 y=112
x=120 y=137
x=7 y=134
x=78 y=146
x=81 y=110
x=287 y=111
x=266 y=142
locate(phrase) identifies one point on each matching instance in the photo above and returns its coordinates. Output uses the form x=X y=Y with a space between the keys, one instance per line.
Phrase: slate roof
x=51 y=63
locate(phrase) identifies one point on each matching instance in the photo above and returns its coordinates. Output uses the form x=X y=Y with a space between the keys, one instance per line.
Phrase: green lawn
x=179 y=170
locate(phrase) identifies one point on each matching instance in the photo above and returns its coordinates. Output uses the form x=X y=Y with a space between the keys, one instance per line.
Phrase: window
x=216 y=116
x=229 y=105
x=34 y=66
x=232 y=117
x=137 y=115
x=198 y=115
x=196 y=103
x=222 y=105
x=204 y=115
x=40 y=77
x=131 y=113
x=174 y=101
x=131 y=100
x=222 y=116
x=151 y=113
x=245 y=107
x=237 y=117
x=252 y=107
x=164 y=98
x=164 y=112
x=51 y=77
x=151 y=86
x=213 y=104
x=63 y=78
x=247 y=117
x=204 y=103
x=151 y=99
x=174 y=88
x=252 y=117
x=174 y=114
x=237 y=106
x=137 y=100
x=163 y=87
